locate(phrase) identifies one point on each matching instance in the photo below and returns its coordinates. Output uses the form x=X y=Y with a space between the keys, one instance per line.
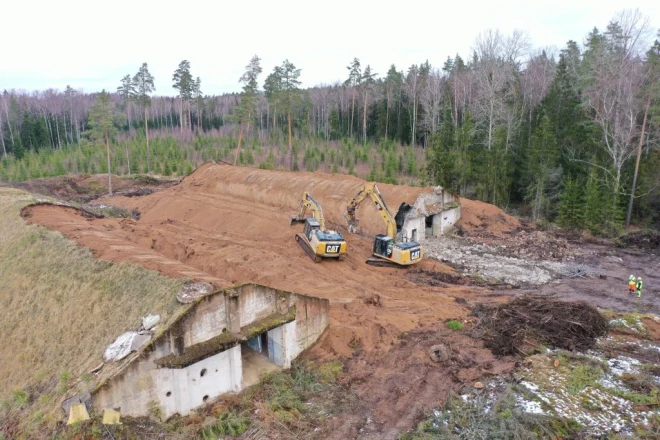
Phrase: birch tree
x=613 y=78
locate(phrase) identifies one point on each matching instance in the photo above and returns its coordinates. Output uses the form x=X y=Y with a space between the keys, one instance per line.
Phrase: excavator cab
x=383 y=245
x=311 y=225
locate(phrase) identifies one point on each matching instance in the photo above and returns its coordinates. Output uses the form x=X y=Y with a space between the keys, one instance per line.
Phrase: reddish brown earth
x=229 y=225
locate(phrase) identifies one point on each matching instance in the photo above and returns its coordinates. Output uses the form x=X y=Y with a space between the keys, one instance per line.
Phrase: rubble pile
x=529 y=322
x=536 y=245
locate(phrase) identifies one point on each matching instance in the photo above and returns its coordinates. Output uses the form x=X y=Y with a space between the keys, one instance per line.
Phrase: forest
x=569 y=137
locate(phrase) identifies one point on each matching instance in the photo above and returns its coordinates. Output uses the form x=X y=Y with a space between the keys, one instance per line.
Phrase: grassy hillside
x=60 y=309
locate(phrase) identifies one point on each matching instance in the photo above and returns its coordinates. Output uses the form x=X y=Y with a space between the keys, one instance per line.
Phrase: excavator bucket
x=296 y=219
x=352 y=224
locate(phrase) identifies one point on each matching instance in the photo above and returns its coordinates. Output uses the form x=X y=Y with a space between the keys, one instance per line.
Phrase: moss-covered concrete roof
x=225 y=341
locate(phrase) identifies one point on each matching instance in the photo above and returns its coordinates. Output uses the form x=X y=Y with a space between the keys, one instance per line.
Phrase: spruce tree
x=571 y=205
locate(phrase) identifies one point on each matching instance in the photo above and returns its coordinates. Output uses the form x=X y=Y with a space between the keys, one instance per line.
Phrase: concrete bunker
x=222 y=343
x=431 y=215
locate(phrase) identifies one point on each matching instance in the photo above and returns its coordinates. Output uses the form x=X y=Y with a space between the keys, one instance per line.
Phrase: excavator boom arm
x=370 y=190
x=308 y=202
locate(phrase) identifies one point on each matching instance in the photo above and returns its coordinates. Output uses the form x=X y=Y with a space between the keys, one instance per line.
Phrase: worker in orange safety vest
x=632 y=284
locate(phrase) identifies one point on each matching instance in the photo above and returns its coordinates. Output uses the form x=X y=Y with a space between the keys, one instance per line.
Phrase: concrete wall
x=418 y=223
x=180 y=390
x=141 y=385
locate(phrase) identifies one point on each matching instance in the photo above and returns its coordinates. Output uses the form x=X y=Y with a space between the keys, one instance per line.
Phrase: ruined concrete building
x=431 y=215
x=221 y=344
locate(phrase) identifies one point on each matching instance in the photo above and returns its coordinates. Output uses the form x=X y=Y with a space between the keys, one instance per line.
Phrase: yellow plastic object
x=111 y=417
x=78 y=413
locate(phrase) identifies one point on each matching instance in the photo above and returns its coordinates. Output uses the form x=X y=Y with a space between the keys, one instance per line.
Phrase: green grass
x=229 y=423
x=454 y=325
x=581 y=377
x=61 y=308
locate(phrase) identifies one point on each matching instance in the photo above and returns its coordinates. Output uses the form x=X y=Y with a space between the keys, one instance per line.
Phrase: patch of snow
x=529 y=406
x=622 y=365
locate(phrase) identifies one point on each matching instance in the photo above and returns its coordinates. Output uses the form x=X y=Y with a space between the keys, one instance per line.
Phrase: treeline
x=565 y=137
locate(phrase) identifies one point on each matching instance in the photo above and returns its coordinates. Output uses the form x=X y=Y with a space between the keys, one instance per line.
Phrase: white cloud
x=52 y=44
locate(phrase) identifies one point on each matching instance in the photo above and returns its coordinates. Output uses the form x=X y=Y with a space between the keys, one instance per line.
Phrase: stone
x=149 y=321
x=439 y=353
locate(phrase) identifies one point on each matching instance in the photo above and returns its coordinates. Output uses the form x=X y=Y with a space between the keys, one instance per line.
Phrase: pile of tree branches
x=529 y=322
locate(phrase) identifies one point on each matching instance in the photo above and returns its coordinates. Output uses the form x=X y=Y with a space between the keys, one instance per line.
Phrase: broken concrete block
x=111 y=417
x=439 y=353
x=78 y=398
x=149 y=321
x=77 y=414
x=140 y=340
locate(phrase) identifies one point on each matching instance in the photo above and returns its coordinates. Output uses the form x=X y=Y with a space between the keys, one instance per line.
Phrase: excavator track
x=379 y=262
x=308 y=250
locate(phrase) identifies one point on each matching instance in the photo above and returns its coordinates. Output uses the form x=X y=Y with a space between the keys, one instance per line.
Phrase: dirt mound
x=283 y=189
x=529 y=322
x=83 y=188
x=476 y=215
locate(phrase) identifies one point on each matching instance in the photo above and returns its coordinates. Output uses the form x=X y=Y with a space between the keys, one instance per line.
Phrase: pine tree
x=127 y=92
x=144 y=85
x=103 y=126
x=248 y=105
x=183 y=82
x=289 y=94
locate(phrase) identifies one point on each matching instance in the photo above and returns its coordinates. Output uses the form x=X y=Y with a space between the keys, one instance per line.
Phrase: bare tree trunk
x=240 y=138
x=639 y=155
x=128 y=160
x=350 y=129
x=290 y=139
x=364 y=121
x=107 y=149
x=387 y=113
x=57 y=128
x=146 y=133
x=2 y=138
x=190 y=116
x=11 y=134
x=181 y=120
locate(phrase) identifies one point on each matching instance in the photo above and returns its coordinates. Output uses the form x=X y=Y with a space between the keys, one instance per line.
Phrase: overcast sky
x=92 y=45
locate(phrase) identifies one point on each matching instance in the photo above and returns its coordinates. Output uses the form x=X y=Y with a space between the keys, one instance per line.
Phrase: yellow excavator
x=316 y=240
x=387 y=251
